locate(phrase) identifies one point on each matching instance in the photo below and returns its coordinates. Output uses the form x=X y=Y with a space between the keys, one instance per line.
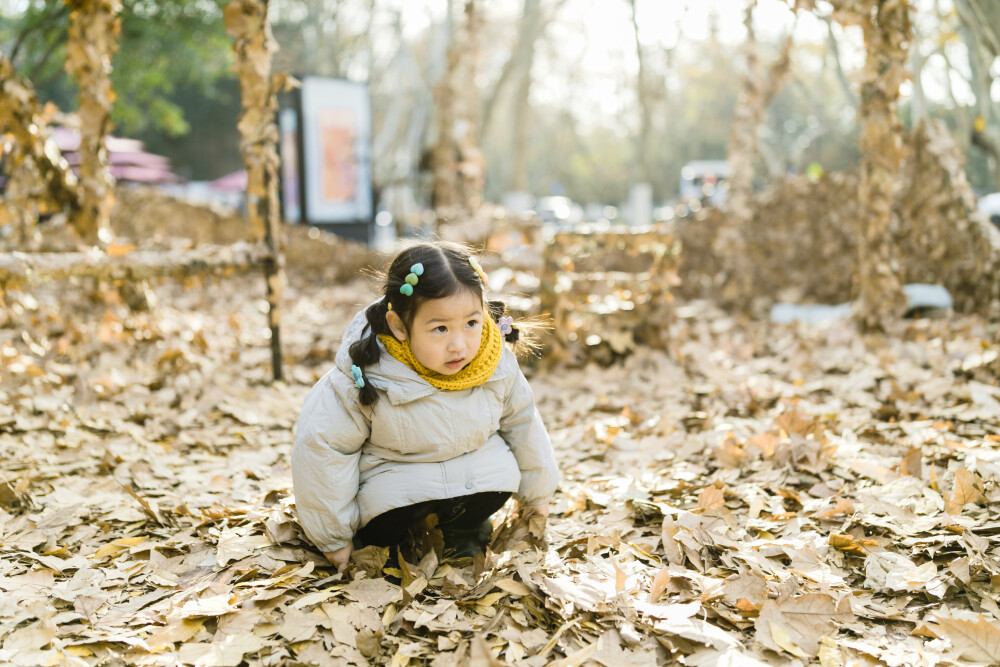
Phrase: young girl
x=426 y=411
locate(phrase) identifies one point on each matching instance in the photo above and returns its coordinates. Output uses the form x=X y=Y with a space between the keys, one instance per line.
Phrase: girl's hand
x=340 y=557
x=542 y=509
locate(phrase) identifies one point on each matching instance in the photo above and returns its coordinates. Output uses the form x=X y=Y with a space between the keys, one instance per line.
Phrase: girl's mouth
x=455 y=365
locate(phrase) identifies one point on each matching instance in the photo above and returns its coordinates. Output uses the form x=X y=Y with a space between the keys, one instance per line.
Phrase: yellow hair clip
x=479 y=269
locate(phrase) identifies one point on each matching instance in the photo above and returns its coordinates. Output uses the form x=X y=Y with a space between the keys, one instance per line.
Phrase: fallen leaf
x=978 y=641
x=797 y=625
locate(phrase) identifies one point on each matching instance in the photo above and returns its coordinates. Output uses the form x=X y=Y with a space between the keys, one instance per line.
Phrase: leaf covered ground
x=757 y=494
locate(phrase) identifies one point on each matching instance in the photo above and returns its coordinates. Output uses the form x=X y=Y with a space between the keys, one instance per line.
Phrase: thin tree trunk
x=743 y=135
x=834 y=51
x=980 y=47
x=887 y=33
x=472 y=166
x=246 y=23
x=33 y=146
x=457 y=162
x=532 y=26
x=756 y=93
x=645 y=112
x=522 y=128
x=93 y=39
x=443 y=158
x=529 y=30
x=392 y=154
x=918 y=106
x=963 y=134
x=984 y=17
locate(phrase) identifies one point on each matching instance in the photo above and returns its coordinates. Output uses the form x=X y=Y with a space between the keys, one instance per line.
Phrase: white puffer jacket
x=351 y=463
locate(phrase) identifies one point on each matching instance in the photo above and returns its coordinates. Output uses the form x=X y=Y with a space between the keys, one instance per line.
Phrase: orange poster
x=338 y=134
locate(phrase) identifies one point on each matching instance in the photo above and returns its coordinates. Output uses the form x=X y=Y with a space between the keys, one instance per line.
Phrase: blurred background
x=571 y=102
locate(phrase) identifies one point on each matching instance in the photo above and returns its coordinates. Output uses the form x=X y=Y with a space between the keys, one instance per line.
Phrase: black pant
x=462 y=516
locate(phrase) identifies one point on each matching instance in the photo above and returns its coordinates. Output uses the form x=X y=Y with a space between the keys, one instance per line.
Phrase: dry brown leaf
x=659 y=585
x=157 y=406
x=968 y=489
x=711 y=498
x=669 y=529
x=797 y=625
x=912 y=463
x=32 y=637
x=978 y=641
x=843 y=506
x=513 y=587
x=480 y=654
x=374 y=592
x=848 y=543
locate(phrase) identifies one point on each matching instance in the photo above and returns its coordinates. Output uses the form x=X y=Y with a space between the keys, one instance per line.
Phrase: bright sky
x=606 y=24
x=595 y=39
x=589 y=51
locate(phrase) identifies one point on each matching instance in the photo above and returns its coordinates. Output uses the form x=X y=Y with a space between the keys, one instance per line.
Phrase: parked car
x=990 y=206
x=703 y=181
x=559 y=211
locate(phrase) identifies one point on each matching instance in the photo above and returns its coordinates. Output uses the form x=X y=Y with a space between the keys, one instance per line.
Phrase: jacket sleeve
x=328 y=439
x=522 y=428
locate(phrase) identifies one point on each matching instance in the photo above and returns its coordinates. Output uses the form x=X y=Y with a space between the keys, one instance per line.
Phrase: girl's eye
x=441 y=329
x=473 y=323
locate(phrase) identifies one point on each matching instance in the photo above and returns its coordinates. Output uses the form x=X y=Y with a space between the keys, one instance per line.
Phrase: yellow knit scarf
x=476 y=372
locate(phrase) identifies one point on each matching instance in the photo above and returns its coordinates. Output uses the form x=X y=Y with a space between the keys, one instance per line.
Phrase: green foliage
x=163 y=45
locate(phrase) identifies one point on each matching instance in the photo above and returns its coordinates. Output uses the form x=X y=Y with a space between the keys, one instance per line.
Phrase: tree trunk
x=756 y=93
x=472 y=164
x=645 y=113
x=33 y=149
x=457 y=163
x=529 y=30
x=387 y=139
x=246 y=23
x=918 y=106
x=532 y=25
x=743 y=135
x=963 y=124
x=92 y=40
x=833 y=48
x=443 y=159
x=887 y=33
x=980 y=45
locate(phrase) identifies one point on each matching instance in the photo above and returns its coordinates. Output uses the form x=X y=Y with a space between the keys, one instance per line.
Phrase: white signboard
x=336 y=151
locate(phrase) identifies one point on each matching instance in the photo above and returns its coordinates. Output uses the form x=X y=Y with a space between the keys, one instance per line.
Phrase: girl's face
x=446 y=333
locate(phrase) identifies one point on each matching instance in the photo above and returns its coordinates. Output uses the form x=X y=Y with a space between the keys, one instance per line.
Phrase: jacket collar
x=401 y=383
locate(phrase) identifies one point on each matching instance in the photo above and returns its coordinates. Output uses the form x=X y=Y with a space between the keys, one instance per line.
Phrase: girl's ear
x=395 y=323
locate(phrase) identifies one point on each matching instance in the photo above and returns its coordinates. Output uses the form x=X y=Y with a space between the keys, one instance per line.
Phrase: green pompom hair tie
x=359 y=378
x=412 y=278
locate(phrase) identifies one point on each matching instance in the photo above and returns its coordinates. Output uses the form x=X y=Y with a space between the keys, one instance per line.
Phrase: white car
x=704 y=181
x=559 y=211
x=990 y=206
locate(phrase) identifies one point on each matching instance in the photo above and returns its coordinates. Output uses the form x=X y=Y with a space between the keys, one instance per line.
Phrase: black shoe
x=463 y=547
x=467 y=542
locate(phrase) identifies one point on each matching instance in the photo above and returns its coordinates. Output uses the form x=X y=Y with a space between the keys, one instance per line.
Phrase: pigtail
x=365 y=351
x=526 y=336
x=497 y=310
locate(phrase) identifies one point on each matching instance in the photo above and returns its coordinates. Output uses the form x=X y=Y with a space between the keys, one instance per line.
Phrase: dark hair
x=447 y=271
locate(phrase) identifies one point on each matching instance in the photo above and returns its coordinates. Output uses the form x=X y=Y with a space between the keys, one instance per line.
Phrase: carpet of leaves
x=757 y=495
